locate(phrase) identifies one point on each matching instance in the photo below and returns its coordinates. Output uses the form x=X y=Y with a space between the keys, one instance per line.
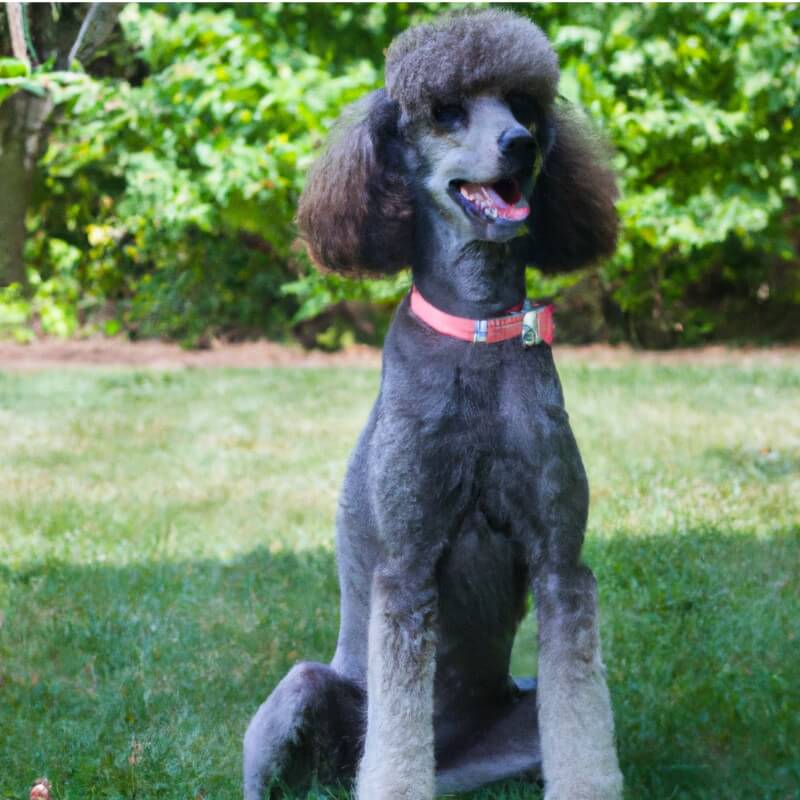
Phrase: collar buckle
x=537 y=324
x=530 y=335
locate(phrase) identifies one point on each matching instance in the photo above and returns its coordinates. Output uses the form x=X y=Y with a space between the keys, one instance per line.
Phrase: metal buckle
x=530 y=327
x=481 y=331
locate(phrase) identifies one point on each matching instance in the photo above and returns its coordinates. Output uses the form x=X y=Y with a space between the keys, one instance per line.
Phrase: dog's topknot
x=467 y=52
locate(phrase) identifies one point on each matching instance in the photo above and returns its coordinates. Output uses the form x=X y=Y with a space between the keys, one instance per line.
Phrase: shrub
x=166 y=198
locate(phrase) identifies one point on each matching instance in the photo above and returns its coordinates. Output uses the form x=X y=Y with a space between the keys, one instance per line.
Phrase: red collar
x=533 y=323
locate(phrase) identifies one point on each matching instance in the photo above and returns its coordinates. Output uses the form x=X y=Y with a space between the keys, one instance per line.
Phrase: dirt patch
x=102 y=352
x=617 y=355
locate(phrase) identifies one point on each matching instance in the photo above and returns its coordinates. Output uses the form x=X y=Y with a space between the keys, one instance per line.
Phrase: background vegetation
x=163 y=203
x=149 y=602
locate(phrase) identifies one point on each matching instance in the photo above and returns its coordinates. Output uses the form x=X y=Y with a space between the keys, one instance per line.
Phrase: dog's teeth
x=481 y=201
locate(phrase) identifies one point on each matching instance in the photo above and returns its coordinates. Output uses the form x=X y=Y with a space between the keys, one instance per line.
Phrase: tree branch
x=95 y=29
x=14 y=11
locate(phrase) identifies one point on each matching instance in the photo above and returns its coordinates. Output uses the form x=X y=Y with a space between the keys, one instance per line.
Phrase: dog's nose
x=518 y=146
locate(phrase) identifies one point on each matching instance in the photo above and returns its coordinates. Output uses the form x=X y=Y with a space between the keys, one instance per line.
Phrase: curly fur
x=357 y=212
x=465 y=54
x=574 y=220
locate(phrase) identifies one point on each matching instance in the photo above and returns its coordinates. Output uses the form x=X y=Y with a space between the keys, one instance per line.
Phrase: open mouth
x=501 y=201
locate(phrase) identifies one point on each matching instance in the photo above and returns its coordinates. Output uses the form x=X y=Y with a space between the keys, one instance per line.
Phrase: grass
x=165 y=556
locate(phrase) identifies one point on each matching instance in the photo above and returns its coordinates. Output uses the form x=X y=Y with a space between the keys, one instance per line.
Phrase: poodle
x=466 y=490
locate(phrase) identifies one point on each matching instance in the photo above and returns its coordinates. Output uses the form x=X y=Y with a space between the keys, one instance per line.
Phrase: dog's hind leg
x=311 y=726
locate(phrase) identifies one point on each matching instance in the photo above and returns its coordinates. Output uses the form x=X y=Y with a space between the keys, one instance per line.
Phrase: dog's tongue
x=514 y=211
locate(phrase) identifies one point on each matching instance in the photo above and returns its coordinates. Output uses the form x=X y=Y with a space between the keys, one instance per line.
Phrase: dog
x=466 y=490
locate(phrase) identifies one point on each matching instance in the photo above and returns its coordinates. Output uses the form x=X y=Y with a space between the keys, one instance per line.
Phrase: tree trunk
x=25 y=117
x=23 y=137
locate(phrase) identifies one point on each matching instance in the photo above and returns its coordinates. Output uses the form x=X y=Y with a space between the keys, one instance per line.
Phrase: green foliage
x=55 y=302
x=177 y=183
x=701 y=104
x=15 y=313
x=180 y=191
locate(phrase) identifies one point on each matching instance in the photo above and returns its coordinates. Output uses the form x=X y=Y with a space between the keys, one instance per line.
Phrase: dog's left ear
x=573 y=219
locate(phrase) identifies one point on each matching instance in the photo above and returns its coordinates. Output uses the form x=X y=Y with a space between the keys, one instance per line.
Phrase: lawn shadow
x=702 y=652
x=139 y=681
x=113 y=678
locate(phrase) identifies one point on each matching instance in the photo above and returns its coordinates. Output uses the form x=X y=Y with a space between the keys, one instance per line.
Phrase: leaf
x=13 y=67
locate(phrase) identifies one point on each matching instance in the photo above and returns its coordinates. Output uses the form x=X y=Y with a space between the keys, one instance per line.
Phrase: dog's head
x=468 y=129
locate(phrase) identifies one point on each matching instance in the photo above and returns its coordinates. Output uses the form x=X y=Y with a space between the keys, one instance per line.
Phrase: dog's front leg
x=575 y=720
x=398 y=761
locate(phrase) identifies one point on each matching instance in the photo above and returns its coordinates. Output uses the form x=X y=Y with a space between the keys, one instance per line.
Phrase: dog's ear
x=356 y=211
x=573 y=219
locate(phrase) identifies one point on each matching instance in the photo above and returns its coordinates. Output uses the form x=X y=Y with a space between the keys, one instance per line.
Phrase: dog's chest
x=485 y=437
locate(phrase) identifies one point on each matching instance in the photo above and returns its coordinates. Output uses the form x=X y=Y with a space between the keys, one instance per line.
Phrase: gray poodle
x=466 y=490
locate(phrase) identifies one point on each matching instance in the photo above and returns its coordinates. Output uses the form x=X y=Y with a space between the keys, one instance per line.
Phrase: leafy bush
x=167 y=195
x=180 y=190
x=701 y=104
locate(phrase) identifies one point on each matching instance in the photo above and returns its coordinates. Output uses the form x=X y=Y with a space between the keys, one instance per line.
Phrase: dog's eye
x=449 y=115
x=523 y=107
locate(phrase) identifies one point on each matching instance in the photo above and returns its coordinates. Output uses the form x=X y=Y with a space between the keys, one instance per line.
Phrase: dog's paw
x=384 y=791
x=573 y=788
x=401 y=784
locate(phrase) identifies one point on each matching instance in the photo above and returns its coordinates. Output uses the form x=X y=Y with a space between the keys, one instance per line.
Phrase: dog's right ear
x=356 y=212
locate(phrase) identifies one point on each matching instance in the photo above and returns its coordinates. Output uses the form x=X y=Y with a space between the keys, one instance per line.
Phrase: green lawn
x=165 y=556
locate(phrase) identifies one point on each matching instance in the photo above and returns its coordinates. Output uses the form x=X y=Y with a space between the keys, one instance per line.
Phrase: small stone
x=40 y=789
